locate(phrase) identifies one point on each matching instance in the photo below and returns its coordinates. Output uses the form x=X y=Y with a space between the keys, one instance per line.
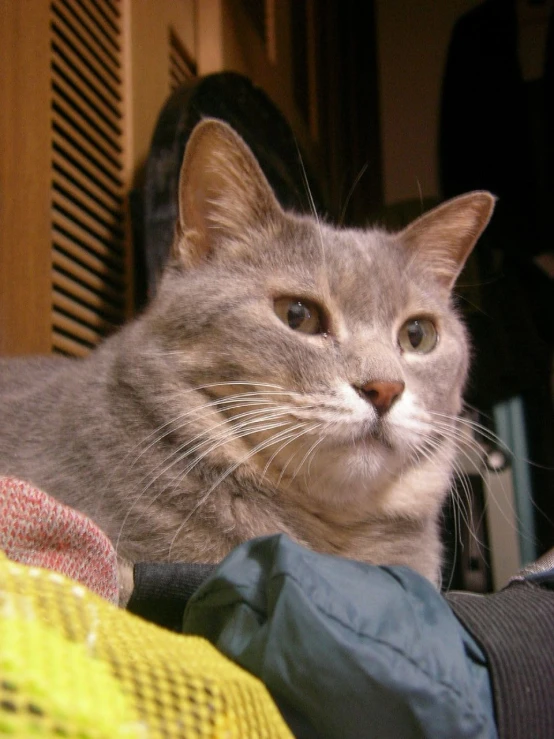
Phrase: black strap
x=161 y=590
x=515 y=628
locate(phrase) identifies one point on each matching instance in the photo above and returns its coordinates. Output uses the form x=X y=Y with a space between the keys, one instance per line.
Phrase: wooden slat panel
x=185 y=67
x=71 y=144
x=68 y=129
x=110 y=218
x=68 y=105
x=89 y=263
x=126 y=12
x=181 y=69
x=68 y=346
x=91 y=318
x=114 y=7
x=63 y=44
x=74 y=328
x=90 y=92
x=109 y=61
x=64 y=168
x=102 y=24
x=113 y=20
x=85 y=228
x=86 y=277
x=174 y=82
x=83 y=294
x=179 y=50
x=81 y=102
x=86 y=259
x=99 y=36
x=181 y=66
x=93 y=63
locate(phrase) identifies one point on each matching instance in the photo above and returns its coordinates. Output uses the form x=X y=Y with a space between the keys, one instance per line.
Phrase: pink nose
x=382 y=394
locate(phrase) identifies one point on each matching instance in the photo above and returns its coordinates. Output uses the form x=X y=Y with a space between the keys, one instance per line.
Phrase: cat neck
x=375 y=538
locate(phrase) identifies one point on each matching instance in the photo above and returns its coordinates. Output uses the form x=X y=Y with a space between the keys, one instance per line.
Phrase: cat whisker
x=177 y=452
x=496 y=441
x=463 y=494
x=420 y=452
x=288 y=441
x=295 y=438
x=259 y=447
x=455 y=433
x=480 y=429
x=218 y=443
x=253 y=425
x=314 y=446
x=461 y=440
x=252 y=417
x=314 y=451
x=313 y=208
x=293 y=455
x=221 y=406
x=430 y=440
x=463 y=443
x=246 y=429
x=462 y=510
x=155 y=436
x=351 y=192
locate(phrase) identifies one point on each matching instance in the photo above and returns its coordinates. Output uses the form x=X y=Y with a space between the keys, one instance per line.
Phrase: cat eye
x=300 y=315
x=418 y=335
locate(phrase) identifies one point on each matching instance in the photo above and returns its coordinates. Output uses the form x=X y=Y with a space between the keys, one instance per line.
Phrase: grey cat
x=288 y=377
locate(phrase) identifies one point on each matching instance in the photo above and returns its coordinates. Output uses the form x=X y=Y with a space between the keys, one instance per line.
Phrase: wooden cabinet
x=81 y=85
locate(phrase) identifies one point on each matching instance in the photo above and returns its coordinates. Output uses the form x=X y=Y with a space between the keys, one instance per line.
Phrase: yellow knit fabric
x=73 y=665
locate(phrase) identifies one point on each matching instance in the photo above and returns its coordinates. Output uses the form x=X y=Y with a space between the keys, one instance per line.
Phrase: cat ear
x=223 y=193
x=444 y=237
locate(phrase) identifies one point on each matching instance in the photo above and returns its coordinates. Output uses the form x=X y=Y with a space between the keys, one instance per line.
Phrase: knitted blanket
x=37 y=530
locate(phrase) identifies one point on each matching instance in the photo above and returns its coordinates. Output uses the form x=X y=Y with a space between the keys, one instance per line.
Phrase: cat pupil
x=297 y=314
x=415 y=333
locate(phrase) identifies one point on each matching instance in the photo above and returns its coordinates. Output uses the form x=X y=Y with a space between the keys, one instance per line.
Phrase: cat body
x=278 y=382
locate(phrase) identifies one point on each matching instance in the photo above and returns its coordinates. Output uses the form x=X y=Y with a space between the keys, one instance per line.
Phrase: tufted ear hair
x=444 y=237
x=223 y=193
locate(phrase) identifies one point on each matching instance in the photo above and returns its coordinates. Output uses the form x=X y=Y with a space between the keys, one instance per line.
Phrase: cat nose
x=381 y=394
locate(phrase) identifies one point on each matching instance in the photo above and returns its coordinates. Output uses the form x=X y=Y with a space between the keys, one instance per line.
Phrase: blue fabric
x=544 y=578
x=346 y=649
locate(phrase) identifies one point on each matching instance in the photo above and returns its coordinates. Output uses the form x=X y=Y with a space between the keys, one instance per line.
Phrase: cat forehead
x=344 y=252
x=351 y=263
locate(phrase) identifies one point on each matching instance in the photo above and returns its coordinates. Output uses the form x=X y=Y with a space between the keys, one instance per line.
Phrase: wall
x=149 y=48
x=412 y=41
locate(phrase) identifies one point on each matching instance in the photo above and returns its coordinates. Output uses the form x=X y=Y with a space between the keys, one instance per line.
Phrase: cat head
x=338 y=352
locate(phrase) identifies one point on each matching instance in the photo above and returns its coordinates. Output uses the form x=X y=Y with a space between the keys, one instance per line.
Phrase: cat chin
x=410 y=495
x=375 y=479
x=350 y=474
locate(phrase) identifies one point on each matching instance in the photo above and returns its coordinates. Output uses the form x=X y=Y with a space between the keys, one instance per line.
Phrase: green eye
x=300 y=315
x=418 y=335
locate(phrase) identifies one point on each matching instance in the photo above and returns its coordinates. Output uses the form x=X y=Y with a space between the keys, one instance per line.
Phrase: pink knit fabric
x=36 y=529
